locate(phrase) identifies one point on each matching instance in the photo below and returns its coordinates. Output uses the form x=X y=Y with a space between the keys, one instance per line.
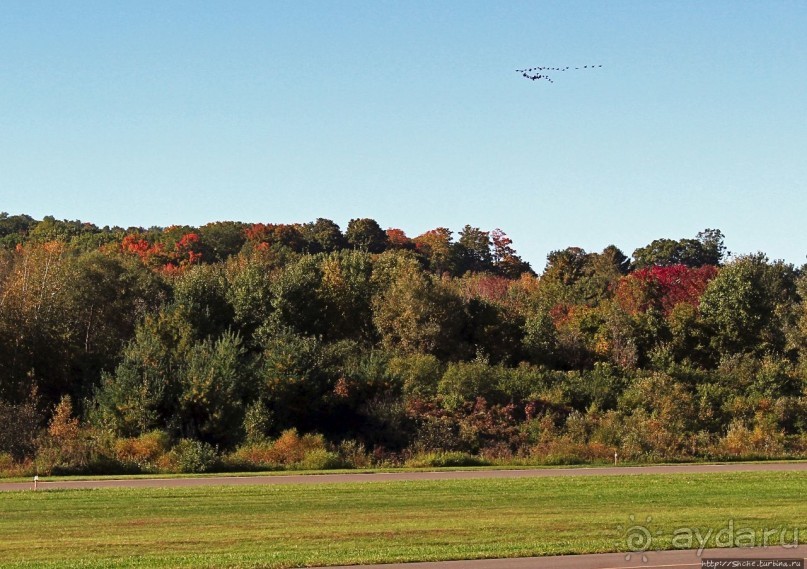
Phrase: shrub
x=6 y=461
x=354 y=454
x=498 y=453
x=191 y=456
x=437 y=432
x=289 y=450
x=143 y=452
x=563 y=451
x=760 y=442
x=13 y=469
x=257 y=420
x=9 y=467
x=319 y=459
x=419 y=374
x=443 y=459
x=68 y=447
x=46 y=460
x=256 y=455
x=465 y=381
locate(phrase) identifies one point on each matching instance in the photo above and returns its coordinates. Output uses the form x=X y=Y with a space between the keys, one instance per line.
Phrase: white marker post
x=36 y=479
x=616 y=458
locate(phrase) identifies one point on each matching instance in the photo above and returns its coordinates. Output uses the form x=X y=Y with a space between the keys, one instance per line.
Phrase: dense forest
x=246 y=346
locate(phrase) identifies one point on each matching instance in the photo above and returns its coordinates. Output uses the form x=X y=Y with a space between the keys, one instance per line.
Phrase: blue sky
x=158 y=113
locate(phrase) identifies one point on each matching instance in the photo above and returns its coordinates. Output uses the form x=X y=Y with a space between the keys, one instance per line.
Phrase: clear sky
x=169 y=112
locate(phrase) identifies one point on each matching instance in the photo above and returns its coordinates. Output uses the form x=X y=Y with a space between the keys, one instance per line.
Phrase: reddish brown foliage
x=398 y=239
x=268 y=234
x=485 y=286
x=663 y=287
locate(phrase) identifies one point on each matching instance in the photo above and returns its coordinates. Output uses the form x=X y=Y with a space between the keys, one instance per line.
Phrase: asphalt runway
x=649 y=560
x=44 y=484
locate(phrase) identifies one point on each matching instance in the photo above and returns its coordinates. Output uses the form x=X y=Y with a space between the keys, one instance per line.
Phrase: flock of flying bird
x=529 y=73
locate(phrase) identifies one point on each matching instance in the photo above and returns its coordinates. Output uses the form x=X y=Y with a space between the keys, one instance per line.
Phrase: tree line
x=236 y=345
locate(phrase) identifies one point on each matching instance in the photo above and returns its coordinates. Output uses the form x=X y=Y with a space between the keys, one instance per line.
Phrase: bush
x=319 y=459
x=191 y=456
x=6 y=461
x=289 y=450
x=24 y=469
x=465 y=381
x=443 y=459
x=762 y=441
x=419 y=374
x=354 y=454
x=46 y=460
x=257 y=420
x=253 y=456
x=67 y=447
x=143 y=452
x=437 y=432
x=563 y=451
x=13 y=469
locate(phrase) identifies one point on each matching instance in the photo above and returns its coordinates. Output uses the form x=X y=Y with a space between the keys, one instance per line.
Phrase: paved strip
x=649 y=560
x=43 y=484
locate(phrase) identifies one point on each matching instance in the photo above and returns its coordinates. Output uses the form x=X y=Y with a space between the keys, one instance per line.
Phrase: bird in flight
x=535 y=73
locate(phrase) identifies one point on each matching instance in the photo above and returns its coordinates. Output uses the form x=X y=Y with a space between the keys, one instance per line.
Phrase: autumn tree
x=504 y=257
x=52 y=229
x=663 y=287
x=438 y=249
x=279 y=238
x=397 y=239
x=36 y=325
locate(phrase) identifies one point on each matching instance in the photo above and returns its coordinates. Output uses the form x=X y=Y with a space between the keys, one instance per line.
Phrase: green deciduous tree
x=439 y=250
x=748 y=305
x=706 y=249
x=415 y=313
x=366 y=235
x=201 y=293
x=323 y=236
x=474 y=250
x=346 y=292
x=221 y=240
x=296 y=302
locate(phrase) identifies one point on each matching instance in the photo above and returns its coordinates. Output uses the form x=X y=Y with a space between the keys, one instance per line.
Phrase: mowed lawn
x=287 y=526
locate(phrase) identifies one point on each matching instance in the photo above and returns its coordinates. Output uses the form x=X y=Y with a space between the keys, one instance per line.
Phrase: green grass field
x=285 y=526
